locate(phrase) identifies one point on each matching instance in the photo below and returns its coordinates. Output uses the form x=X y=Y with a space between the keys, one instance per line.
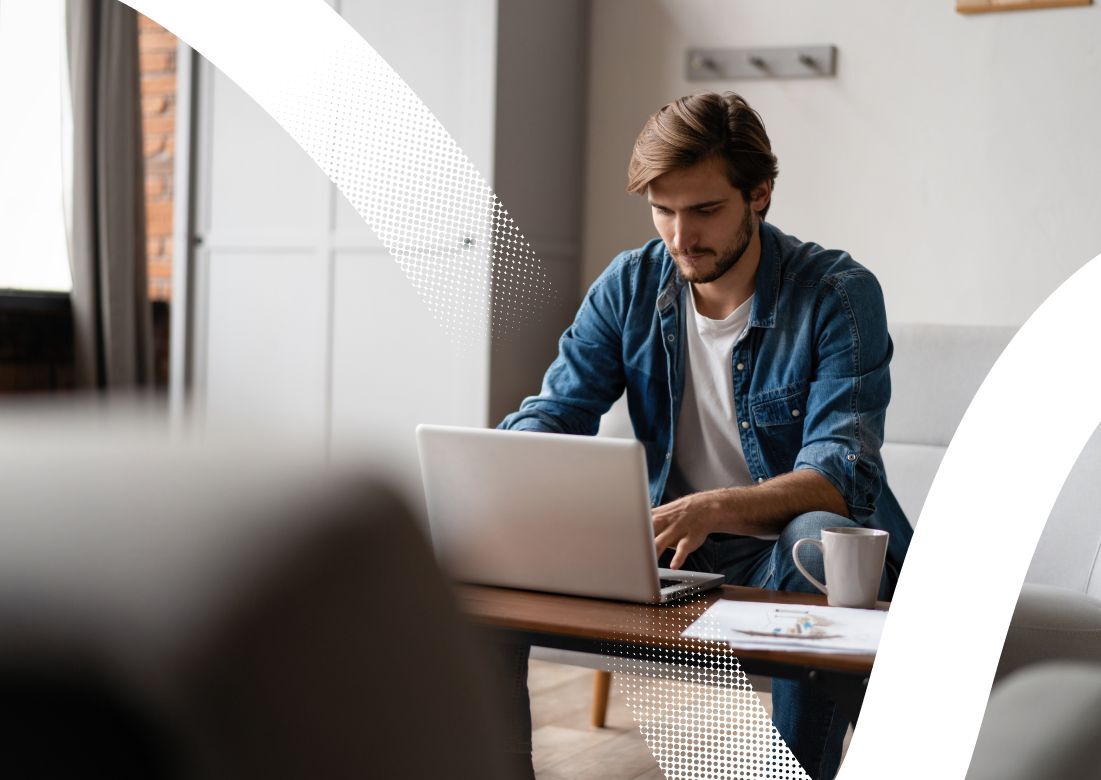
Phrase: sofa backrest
x=935 y=372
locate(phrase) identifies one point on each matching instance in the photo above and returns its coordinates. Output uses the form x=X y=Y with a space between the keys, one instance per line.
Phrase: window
x=33 y=248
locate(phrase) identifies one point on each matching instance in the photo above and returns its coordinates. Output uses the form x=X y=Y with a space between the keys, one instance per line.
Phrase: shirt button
x=850 y=457
x=670 y=337
x=740 y=366
x=760 y=479
x=794 y=412
x=745 y=423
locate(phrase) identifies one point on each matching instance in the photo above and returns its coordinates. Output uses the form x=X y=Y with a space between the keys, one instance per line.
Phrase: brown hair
x=693 y=128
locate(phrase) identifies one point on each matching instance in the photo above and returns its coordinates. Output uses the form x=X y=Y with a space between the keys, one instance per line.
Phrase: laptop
x=548 y=512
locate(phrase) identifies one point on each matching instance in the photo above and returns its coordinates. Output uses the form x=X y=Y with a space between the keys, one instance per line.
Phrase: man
x=756 y=373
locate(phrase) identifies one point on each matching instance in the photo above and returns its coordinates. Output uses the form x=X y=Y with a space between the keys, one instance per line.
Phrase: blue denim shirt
x=811 y=376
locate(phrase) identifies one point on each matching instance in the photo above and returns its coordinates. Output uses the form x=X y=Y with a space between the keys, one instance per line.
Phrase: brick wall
x=157 y=49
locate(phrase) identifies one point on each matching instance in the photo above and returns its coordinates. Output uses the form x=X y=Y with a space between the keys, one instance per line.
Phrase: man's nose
x=684 y=235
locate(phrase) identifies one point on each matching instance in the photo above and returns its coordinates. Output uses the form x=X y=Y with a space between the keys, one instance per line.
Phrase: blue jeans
x=806 y=718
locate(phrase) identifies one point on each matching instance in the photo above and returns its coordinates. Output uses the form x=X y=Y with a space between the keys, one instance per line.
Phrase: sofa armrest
x=1051 y=623
x=1043 y=721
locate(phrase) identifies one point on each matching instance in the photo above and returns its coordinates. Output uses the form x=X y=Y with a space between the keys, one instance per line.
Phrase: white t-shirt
x=707 y=451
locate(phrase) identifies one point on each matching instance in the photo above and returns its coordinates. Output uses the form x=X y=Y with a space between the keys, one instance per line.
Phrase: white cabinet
x=302 y=321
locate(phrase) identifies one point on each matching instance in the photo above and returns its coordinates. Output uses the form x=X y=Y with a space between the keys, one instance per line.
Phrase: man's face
x=704 y=221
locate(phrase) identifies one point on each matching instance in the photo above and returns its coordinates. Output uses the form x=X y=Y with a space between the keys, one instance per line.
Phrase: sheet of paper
x=749 y=624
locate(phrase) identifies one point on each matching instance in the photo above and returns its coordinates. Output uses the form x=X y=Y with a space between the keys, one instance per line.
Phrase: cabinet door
x=262 y=270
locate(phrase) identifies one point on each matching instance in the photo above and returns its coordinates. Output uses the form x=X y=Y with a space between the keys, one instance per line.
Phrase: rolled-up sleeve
x=850 y=390
x=587 y=376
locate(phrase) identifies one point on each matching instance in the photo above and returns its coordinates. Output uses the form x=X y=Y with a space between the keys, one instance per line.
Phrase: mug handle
x=799 y=566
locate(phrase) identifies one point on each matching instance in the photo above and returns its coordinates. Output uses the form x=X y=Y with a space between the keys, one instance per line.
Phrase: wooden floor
x=566 y=747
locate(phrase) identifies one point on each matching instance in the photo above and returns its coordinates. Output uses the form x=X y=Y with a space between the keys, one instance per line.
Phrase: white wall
x=958 y=157
x=539 y=137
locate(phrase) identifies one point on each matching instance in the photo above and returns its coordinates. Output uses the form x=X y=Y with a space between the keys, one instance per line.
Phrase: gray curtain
x=111 y=312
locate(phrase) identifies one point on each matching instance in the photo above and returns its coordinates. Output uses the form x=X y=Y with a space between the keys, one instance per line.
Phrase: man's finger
x=680 y=555
x=665 y=540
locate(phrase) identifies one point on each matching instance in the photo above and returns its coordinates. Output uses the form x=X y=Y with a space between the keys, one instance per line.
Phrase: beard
x=728 y=257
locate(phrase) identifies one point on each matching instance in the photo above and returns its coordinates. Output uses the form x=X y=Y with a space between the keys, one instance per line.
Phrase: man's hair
x=696 y=127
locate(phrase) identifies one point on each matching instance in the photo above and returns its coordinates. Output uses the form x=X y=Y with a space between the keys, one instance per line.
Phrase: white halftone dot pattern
x=695 y=707
x=406 y=176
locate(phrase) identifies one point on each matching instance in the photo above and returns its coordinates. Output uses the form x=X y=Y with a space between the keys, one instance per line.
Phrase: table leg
x=602 y=683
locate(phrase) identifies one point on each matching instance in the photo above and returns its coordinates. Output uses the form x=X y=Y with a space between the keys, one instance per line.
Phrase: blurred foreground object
x=189 y=609
x=1043 y=721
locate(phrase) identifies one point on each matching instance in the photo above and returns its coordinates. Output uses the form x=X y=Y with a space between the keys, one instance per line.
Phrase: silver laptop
x=540 y=511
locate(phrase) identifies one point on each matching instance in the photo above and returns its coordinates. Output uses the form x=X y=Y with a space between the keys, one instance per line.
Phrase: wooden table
x=640 y=631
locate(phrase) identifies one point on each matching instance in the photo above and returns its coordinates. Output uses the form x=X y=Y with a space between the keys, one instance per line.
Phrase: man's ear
x=760 y=196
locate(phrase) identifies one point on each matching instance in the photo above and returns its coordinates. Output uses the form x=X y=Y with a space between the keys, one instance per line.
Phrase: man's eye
x=707 y=212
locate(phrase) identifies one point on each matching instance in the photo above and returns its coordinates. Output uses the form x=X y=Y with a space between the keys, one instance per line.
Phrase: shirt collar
x=671 y=282
x=767 y=292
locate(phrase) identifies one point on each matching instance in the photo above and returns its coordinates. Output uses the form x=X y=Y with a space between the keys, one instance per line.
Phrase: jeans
x=806 y=718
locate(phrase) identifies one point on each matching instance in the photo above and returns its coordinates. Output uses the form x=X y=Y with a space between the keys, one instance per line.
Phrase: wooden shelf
x=986 y=6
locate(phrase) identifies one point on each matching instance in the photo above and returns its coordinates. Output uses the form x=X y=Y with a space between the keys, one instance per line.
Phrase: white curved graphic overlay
x=383 y=149
x=986 y=509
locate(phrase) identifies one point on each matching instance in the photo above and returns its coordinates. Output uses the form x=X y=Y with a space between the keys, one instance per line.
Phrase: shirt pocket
x=778 y=417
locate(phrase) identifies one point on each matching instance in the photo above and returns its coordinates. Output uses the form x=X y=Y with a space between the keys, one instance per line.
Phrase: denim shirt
x=811 y=377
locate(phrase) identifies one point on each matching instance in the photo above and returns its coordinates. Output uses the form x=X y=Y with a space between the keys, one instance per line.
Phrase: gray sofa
x=1043 y=718
x=936 y=371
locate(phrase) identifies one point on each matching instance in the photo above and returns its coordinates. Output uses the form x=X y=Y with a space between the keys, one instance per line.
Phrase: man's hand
x=763 y=508
x=684 y=524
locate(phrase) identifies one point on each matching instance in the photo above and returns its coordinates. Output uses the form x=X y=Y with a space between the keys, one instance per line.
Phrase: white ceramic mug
x=853 y=559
